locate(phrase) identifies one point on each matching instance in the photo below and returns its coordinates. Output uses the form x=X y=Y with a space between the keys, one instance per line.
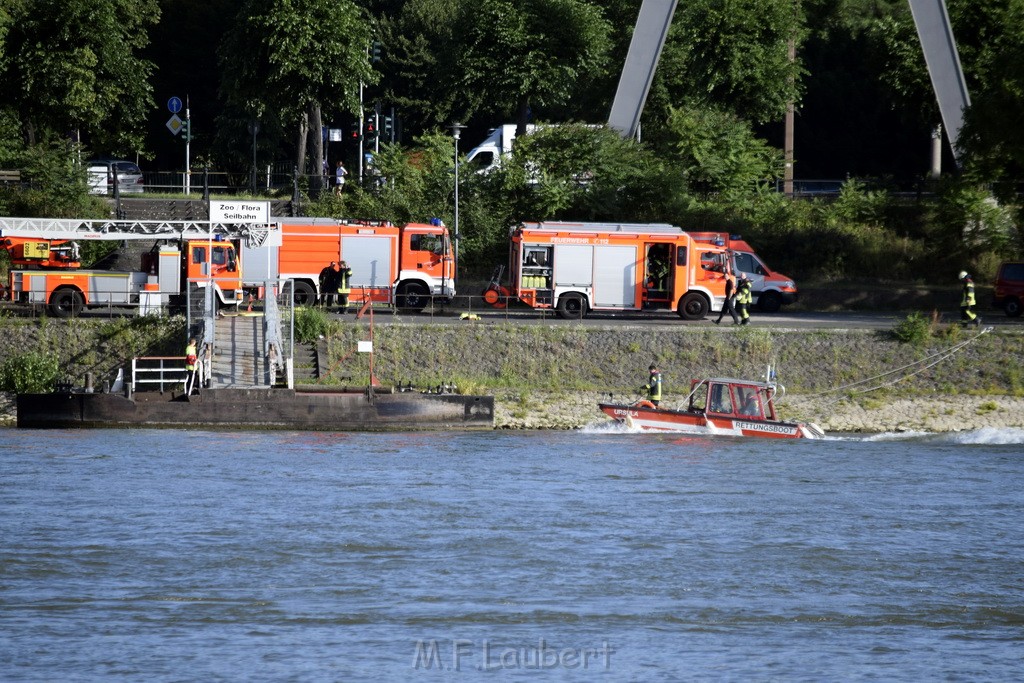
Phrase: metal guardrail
x=163 y=371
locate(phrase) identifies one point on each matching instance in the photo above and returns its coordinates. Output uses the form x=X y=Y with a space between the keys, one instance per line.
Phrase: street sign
x=240 y=212
x=174 y=124
x=174 y=105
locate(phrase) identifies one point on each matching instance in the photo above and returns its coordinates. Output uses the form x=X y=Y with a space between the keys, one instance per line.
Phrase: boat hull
x=258 y=409
x=660 y=419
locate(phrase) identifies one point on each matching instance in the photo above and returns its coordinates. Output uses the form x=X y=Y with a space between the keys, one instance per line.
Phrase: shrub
x=915 y=329
x=310 y=324
x=29 y=373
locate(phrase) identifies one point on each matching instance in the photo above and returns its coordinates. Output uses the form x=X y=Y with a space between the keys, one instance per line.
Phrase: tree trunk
x=316 y=184
x=300 y=151
x=522 y=114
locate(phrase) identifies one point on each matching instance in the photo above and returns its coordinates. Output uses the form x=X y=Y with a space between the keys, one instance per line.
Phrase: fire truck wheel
x=769 y=302
x=571 y=307
x=693 y=306
x=66 y=303
x=305 y=295
x=413 y=296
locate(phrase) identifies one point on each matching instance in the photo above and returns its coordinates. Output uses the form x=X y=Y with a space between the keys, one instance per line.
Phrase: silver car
x=101 y=176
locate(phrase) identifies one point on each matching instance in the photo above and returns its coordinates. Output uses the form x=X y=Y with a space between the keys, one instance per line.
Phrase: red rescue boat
x=719 y=406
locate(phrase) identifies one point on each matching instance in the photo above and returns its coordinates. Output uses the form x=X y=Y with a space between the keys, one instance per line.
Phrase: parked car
x=101 y=176
x=1009 y=290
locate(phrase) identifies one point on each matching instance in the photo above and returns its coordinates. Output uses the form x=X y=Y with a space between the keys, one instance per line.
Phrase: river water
x=190 y=555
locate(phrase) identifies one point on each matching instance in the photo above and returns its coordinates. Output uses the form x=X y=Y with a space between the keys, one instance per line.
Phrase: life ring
x=497 y=297
x=645 y=404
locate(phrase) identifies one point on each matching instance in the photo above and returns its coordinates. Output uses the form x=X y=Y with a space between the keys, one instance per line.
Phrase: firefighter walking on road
x=744 y=298
x=967 y=301
x=730 y=300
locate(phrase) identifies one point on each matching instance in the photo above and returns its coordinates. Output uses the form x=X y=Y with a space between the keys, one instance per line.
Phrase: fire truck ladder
x=254 y=234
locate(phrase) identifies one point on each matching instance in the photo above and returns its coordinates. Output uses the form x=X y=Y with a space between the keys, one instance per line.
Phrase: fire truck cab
x=576 y=268
x=771 y=289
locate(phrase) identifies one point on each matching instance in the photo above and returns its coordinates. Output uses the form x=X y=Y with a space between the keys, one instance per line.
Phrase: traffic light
x=388 y=128
x=370 y=130
x=375 y=52
x=353 y=133
x=188 y=130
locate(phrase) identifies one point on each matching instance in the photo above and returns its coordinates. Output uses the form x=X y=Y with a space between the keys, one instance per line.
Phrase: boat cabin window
x=748 y=401
x=721 y=401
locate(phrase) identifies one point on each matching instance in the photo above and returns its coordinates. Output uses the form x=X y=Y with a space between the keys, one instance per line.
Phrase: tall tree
x=732 y=55
x=291 y=59
x=73 y=65
x=522 y=53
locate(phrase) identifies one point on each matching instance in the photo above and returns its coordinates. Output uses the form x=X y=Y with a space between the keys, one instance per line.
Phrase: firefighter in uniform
x=190 y=366
x=967 y=302
x=743 y=298
x=653 y=387
x=325 y=277
x=343 y=274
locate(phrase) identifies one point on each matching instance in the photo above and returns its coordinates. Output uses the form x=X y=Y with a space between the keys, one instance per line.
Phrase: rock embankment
x=552 y=376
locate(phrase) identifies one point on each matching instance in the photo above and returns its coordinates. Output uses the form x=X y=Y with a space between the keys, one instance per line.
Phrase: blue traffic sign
x=174 y=105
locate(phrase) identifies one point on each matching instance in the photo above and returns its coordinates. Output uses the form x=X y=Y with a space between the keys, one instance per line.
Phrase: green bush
x=310 y=324
x=915 y=329
x=29 y=373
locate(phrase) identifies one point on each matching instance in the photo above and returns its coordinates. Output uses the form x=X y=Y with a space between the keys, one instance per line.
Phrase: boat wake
x=609 y=427
x=984 y=436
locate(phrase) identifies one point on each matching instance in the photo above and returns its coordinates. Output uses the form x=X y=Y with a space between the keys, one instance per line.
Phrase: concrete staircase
x=308 y=361
x=239 y=360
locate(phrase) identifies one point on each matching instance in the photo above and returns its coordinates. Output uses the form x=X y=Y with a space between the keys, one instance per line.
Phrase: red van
x=1009 y=290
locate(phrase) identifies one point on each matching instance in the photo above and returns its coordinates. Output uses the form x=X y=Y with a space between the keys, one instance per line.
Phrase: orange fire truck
x=404 y=266
x=580 y=267
x=45 y=266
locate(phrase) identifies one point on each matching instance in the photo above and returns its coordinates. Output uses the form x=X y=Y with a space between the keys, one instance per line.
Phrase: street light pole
x=456 y=133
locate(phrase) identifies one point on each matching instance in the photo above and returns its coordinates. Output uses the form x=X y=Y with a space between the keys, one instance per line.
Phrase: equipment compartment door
x=370 y=259
x=574 y=265
x=615 y=277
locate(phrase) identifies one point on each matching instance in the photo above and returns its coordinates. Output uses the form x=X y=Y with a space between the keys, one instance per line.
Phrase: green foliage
x=29 y=373
x=310 y=324
x=280 y=56
x=718 y=152
x=914 y=330
x=74 y=65
x=731 y=56
x=528 y=52
x=56 y=185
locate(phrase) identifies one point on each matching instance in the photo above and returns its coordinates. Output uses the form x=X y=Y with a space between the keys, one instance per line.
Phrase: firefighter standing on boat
x=653 y=386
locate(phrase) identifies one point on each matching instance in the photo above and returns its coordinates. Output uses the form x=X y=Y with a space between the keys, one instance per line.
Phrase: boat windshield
x=749 y=401
x=720 y=400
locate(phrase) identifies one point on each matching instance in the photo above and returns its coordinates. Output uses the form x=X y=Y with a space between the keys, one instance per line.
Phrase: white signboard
x=364 y=346
x=240 y=212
